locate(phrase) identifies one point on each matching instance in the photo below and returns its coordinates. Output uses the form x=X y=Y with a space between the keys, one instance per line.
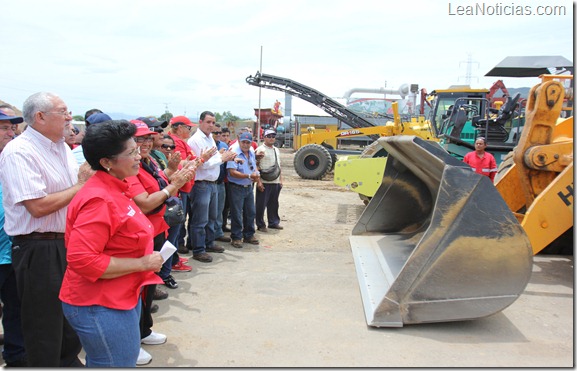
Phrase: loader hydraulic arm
x=310 y=95
x=538 y=186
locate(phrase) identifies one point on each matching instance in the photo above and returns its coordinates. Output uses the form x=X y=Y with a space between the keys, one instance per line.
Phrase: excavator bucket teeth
x=437 y=242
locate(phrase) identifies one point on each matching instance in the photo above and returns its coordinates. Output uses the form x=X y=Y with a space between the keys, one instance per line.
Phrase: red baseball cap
x=181 y=120
x=142 y=129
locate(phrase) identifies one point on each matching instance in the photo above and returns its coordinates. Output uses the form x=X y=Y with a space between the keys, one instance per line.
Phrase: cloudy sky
x=139 y=57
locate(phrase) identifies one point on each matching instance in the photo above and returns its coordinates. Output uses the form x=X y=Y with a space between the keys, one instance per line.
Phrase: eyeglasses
x=270 y=136
x=143 y=139
x=63 y=113
x=168 y=147
x=217 y=132
x=9 y=127
x=135 y=152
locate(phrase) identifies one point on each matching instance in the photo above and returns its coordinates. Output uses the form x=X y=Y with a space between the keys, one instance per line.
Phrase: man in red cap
x=180 y=130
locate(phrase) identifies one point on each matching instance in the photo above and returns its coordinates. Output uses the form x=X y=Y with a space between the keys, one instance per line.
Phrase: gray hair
x=38 y=102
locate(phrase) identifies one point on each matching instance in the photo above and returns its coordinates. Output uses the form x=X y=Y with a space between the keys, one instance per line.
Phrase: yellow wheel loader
x=438 y=242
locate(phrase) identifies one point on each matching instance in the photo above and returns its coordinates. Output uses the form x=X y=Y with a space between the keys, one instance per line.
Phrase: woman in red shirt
x=109 y=251
x=150 y=188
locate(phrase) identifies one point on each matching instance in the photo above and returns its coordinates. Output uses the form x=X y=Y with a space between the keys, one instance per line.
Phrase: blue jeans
x=204 y=198
x=13 y=339
x=242 y=212
x=219 y=208
x=110 y=337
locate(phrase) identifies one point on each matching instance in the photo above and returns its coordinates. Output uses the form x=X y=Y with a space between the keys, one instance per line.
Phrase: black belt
x=240 y=185
x=42 y=236
x=205 y=181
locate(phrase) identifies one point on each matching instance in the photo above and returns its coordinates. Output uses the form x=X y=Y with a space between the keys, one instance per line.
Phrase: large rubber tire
x=312 y=161
x=278 y=143
x=333 y=156
x=504 y=166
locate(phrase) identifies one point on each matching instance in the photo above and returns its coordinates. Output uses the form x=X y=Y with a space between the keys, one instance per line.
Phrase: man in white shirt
x=39 y=178
x=204 y=194
x=13 y=352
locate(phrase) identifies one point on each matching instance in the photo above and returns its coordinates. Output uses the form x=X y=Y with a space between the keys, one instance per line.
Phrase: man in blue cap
x=241 y=177
x=94 y=118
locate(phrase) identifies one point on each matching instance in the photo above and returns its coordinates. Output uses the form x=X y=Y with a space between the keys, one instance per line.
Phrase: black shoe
x=202 y=257
x=23 y=362
x=253 y=240
x=154 y=308
x=223 y=239
x=170 y=282
x=278 y=226
x=159 y=294
x=262 y=229
x=182 y=249
x=215 y=248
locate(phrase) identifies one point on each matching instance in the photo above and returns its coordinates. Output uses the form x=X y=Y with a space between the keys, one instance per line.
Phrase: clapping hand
x=173 y=161
x=207 y=153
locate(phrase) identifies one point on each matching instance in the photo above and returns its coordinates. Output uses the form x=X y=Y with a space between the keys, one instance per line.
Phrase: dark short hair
x=482 y=138
x=225 y=130
x=106 y=140
x=168 y=137
x=206 y=113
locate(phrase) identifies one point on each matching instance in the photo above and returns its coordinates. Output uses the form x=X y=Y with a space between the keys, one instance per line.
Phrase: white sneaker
x=144 y=358
x=154 y=339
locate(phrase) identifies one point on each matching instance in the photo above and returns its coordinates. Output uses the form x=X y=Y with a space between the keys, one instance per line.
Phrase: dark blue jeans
x=173 y=234
x=219 y=209
x=13 y=339
x=204 y=199
x=242 y=212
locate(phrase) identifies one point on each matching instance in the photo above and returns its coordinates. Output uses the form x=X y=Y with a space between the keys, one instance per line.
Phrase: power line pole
x=468 y=74
x=259 y=98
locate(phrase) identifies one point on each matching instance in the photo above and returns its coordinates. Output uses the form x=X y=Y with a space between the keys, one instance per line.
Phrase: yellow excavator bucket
x=437 y=242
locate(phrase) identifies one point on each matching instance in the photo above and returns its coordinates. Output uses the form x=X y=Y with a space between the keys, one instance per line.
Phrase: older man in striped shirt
x=39 y=178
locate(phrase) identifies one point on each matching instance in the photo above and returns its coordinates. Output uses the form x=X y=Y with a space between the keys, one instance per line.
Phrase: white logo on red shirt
x=131 y=211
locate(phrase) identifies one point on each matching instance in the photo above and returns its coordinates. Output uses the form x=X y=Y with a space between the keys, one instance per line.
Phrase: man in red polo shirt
x=482 y=162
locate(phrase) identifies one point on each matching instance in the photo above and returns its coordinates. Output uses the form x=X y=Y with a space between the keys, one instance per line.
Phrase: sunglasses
x=217 y=132
x=270 y=136
x=168 y=146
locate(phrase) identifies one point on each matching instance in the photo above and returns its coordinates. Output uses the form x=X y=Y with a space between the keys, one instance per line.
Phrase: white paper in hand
x=167 y=250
